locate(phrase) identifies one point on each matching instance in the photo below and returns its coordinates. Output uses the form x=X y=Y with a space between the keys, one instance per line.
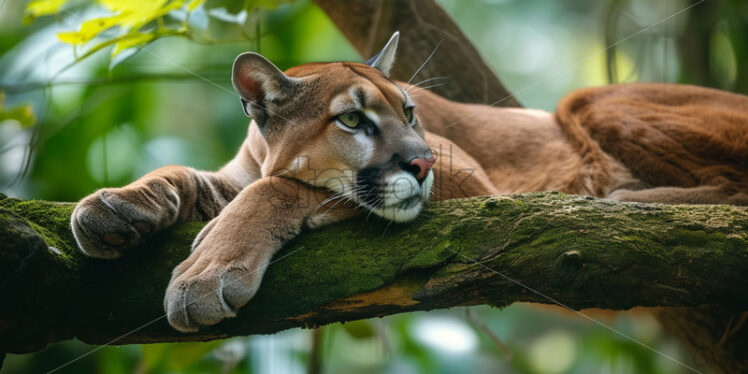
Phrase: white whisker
x=387 y=227
x=430 y=79
x=427 y=87
x=427 y=60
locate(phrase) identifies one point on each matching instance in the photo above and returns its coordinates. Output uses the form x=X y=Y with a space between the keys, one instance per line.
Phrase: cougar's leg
x=723 y=194
x=112 y=220
x=227 y=264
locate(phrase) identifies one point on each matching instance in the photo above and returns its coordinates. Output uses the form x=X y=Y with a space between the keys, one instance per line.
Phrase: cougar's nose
x=420 y=167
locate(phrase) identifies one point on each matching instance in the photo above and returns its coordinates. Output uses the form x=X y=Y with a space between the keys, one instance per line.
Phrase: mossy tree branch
x=579 y=251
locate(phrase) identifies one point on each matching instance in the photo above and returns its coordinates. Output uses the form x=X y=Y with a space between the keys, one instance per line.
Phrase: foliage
x=23 y=114
x=38 y=8
x=132 y=24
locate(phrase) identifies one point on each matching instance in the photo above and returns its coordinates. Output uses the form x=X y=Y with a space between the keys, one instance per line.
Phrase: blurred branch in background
x=315 y=355
x=25 y=87
x=713 y=46
x=423 y=25
x=710 y=41
x=480 y=325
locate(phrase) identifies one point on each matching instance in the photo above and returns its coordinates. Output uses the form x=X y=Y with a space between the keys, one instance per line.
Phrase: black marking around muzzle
x=368 y=182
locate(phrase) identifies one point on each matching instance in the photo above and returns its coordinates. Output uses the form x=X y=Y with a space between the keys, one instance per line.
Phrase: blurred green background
x=74 y=120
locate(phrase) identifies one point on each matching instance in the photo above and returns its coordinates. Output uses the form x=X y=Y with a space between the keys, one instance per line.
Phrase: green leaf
x=22 y=114
x=136 y=13
x=38 y=8
x=133 y=40
x=133 y=6
x=129 y=14
x=89 y=29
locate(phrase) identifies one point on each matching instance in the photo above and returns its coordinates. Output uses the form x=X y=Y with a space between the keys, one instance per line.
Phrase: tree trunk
x=423 y=24
x=488 y=250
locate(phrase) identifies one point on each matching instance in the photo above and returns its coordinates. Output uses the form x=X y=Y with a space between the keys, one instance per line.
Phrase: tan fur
x=298 y=163
x=521 y=150
x=685 y=143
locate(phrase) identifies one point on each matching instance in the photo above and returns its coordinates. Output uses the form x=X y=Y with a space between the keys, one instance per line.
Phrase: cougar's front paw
x=203 y=292
x=112 y=220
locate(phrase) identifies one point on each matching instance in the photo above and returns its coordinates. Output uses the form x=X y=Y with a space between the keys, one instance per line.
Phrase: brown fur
x=684 y=143
x=667 y=135
x=522 y=150
x=689 y=143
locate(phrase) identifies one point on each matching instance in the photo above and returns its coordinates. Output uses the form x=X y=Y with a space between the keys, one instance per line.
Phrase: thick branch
x=579 y=251
x=422 y=24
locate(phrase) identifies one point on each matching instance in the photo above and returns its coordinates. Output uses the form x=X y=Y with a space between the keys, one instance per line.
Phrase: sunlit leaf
x=136 y=13
x=135 y=6
x=127 y=46
x=130 y=14
x=38 y=8
x=22 y=114
x=121 y=57
x=89 y=29
x=136 y=39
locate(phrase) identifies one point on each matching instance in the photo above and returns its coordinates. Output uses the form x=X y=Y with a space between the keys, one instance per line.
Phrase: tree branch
x=539 y=247
x=423 y=24
x=33 y=86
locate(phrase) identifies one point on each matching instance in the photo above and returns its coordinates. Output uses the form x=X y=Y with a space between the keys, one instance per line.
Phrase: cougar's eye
x=409 y=114
x=350 y=119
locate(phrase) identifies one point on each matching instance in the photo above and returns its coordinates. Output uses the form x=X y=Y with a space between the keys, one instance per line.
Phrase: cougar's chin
x=406 y=211
x=403 y=198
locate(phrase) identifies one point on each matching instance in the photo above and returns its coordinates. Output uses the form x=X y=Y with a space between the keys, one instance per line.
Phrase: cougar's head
x=343 y=126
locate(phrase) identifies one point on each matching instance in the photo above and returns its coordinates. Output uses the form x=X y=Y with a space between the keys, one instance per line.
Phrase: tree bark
x=540 y=247
x=423 y=24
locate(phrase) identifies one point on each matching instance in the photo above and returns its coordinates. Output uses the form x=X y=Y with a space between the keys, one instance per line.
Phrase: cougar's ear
x=259 y=83
x=383 y=60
